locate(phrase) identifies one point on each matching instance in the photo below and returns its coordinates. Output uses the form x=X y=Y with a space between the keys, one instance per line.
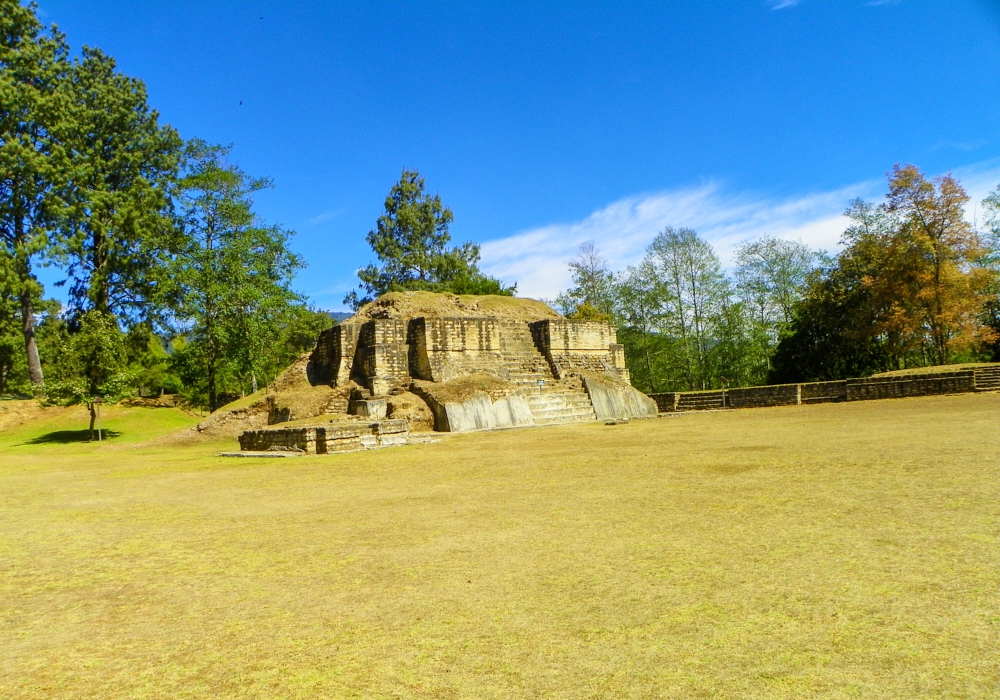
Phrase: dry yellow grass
x=416 y=304
x=831 y=551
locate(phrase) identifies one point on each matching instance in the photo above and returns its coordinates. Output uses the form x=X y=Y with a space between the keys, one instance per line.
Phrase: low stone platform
x=347 y=436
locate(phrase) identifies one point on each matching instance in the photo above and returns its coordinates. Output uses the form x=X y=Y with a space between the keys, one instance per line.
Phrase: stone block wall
x=380 y=354
x=824 y=392
x=325 y=439
x=442 y=349
x=579 y=345
x=760 y=396
x=333 y=356
x=912 y=385
x=957 y=382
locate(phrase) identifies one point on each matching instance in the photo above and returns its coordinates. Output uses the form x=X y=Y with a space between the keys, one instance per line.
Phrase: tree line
x=174 y=282
x=915 y=284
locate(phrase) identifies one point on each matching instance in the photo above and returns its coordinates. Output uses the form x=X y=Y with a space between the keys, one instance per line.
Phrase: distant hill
x=339 y=316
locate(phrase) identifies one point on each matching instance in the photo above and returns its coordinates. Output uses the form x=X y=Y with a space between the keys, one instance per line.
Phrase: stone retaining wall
x=913 y=385
x=958 y=382
x=760 y=396
x=325 y=439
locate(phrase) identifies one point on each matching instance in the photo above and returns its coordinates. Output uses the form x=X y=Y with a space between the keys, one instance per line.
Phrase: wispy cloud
x=324 y=217
x=536 y=259
x=782 y=4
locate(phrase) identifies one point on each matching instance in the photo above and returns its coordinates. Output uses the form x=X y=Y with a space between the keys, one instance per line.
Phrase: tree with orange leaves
x=932 y=284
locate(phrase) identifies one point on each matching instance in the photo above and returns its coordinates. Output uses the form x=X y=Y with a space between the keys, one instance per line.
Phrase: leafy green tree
x=410 y=240
x=696 y=291
x=299 y=330
x=94 y=366
x=232 y=273
x=990 y=260
x=34 y=165
x=639 y=312
x=592 y=293
x=771 y=277
x=117 y=235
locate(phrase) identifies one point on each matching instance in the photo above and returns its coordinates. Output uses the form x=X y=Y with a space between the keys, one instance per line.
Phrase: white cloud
x=537 y=259
x=324 y=217
x=782 y=4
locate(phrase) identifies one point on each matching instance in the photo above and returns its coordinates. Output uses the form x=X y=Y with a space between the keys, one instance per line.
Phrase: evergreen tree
x=117 y=235
x=34 y=164
x=410 y=240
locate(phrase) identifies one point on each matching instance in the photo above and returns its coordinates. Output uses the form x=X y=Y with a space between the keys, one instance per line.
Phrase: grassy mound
x=936 y=369
x=429 y=304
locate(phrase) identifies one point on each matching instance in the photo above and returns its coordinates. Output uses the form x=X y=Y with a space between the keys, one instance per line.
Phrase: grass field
x=829 y=551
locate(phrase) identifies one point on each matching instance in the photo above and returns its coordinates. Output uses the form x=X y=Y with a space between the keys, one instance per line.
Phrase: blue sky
x=544 y=125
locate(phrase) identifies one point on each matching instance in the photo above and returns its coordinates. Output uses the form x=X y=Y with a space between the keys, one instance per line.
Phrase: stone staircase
x=551 y=401
x=564 y=401
x=987 y=378
x=700 y=401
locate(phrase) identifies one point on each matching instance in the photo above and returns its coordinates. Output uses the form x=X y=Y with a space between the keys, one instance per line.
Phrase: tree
x=639 y=300
x=910 y=288
x=232 y=273
x=34 y=164
x=696 y=291
x=117 y=236
x=410 y=240
x=11 y=342
x=93 y=368
x=592 y=293
x=934 y=271
x=990 y=260
x=770 y=279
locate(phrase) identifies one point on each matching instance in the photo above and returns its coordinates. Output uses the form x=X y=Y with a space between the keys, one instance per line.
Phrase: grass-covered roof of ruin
x=430 y=304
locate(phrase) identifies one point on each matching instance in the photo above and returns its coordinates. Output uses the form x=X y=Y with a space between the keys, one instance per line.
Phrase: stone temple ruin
x=474 y=363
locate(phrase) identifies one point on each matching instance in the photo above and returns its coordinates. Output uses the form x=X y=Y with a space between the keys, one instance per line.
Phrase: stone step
x=549 y=405
x=564 y=419
x=563 y=413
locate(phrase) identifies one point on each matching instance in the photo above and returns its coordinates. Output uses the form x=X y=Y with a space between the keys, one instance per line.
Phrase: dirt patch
x=15 y=412
x=412 y=409
x=464 y=388
x=429 y=304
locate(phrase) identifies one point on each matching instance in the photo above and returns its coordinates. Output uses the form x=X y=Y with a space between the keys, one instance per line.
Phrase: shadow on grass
x=65 y=437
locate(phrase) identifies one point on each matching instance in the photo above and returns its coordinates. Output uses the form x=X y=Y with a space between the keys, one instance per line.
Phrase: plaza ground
x=828 y=551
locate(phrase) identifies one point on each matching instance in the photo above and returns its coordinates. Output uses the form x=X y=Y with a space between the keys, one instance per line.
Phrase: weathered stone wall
x=324 y=439
x=382 y=356
x=613 y=399
x=477 y=412
x=824 y=392
x=381 y=353
x=910 y=385
x=760 y=396
x=579 y=345
x=333 y=356
x=445 y=348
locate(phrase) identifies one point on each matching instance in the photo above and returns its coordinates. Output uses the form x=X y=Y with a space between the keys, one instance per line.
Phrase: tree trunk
x=30 y=345
x=93 y=417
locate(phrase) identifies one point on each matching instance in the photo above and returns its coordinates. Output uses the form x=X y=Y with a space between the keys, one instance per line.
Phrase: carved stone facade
x=472 y=372
x=381 y=353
